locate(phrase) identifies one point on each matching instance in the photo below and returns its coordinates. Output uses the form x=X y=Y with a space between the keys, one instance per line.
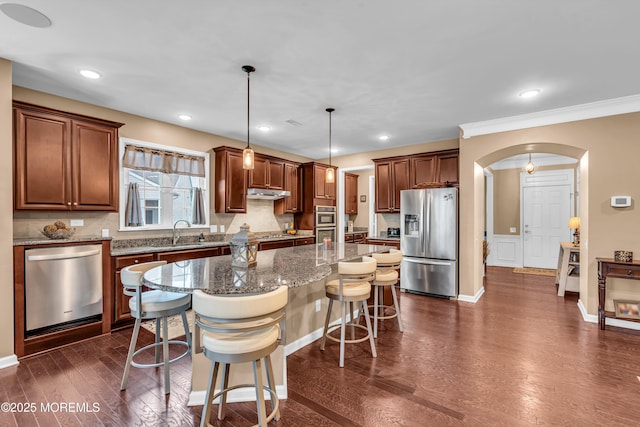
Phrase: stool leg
x=132 y=349
x=366 y=318
x=257 y=375
x=157 y=338
x=376 y=301
x=272 y=385
x=395 y=302
x=326 y=325
x=186 y=328
x=352 y=321
x=343 y=325
x=165 y=355
x=224 y=383
x=206 y=409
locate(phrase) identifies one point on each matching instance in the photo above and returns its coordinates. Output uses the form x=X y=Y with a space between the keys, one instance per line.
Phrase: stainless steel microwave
x=325 y=216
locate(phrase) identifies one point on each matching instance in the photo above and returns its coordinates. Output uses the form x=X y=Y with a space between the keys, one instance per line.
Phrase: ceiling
x=413 y=70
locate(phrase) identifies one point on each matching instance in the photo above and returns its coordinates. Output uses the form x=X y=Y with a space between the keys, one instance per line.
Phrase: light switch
x=77 y=222
x=221 y=228
x=214 y=228
x=512 y=229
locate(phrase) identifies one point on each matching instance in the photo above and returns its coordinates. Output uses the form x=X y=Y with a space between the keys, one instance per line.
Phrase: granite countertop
x=26 y=241
x=293 y=267
x=393 y=238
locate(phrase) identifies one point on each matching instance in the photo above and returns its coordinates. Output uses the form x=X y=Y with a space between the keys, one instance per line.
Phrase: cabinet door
x=277 y=244
x=258 y=177
x=276 y=175
x=320 y=183
x=120 y=300
x=383 y=186
x=350 y=193
x=400 y=181
x=423 y=170
x=292 y=184
x=42 y=161
x=230 y=182
x=95 y=167
x=448 y=168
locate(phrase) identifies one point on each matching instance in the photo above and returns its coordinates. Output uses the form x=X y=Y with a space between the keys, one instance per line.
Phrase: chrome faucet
x=176 y=234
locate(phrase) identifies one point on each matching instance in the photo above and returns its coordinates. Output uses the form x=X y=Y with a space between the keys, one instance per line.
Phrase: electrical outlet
x=318 y=305
x=221 y=228
x=214 y=228
x=77 y=222
x=512 y=229
x=105 y=232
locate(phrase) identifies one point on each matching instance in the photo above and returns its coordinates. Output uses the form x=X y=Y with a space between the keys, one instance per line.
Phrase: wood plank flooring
x=520 y=356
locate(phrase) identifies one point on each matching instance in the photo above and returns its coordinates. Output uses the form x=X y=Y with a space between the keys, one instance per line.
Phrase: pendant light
x=530 y=168
x=247 y=153
x=330 y=177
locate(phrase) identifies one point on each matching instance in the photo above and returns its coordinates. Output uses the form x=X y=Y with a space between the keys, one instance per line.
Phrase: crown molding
x=609 y=107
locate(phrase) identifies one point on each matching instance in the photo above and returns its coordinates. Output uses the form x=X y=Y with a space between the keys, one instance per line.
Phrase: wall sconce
x=574 y=222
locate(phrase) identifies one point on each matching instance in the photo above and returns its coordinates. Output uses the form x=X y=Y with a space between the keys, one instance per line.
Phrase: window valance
x=150 y=159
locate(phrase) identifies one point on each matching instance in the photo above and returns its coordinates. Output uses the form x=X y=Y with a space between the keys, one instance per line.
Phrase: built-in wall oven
x=325 y=223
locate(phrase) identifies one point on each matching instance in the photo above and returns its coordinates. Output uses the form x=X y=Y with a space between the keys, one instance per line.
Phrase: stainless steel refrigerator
x=429 y=241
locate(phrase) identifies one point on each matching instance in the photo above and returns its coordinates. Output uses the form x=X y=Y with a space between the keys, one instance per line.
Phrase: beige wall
x=29 y=224
x=506 y=198
x=6 y=217
x=362 y=218
x=609 y=151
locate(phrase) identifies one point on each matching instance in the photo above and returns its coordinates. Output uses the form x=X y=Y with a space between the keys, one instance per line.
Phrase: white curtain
x=150 y=159
x=199 y=216
x=133 y=212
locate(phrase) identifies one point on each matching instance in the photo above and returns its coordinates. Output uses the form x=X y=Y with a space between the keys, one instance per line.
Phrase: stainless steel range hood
x=261 y=193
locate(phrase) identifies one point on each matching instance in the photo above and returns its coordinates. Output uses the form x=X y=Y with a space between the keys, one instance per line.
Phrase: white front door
x=546 y=213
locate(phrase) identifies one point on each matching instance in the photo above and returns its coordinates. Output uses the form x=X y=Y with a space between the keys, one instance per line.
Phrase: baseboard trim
x=8 y=361
x=592 y=318
x=472 y=298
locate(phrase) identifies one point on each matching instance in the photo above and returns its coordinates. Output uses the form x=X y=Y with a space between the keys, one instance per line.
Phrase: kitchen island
x=304 y=269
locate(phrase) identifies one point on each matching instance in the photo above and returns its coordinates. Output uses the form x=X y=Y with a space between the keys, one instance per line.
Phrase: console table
x=567 y=274
x=609 y=267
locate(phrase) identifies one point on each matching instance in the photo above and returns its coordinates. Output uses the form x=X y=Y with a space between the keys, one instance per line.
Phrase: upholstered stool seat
x=238 y=329
x=158 y=305
x=386 y=276
x=352 y=286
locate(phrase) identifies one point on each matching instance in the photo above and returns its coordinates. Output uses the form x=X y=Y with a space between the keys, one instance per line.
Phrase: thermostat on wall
x=621 y=201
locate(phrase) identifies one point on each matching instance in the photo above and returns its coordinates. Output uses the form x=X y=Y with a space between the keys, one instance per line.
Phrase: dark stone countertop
x=293 y=267
x=29 y=241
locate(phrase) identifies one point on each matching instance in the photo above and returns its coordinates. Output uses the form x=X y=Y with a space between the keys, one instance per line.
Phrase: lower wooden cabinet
x=384 y=242
x=275 y=244
x=305 y=241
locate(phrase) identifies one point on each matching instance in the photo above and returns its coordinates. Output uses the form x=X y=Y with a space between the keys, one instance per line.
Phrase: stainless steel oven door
x=323 y=232
x=325 y=219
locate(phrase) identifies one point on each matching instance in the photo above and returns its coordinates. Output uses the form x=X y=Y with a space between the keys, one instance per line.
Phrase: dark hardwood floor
x=520 y=356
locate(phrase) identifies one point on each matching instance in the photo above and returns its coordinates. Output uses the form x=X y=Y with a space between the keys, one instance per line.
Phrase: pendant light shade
x=530 y=168
x=330 y=176
x=247 y=153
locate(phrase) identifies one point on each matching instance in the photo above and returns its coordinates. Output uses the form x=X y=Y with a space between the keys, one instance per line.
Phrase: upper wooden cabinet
x=317 y=191
x=391 y=177
x=230 y=181
x=437 y=167
x=268 y=173
x=292 y=184
x=350 y=193
x=64 y=161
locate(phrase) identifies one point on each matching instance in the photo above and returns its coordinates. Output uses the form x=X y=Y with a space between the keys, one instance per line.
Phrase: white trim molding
x=472 y=299
x=592 y=318
x=506 y=250
x=592 y=110
x=8 y=361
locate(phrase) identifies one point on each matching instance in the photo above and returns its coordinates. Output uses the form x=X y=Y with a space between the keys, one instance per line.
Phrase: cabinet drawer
x=125 y=261
x=622 y=271
x=305 y=241
x=188 y=254
x=263 y=246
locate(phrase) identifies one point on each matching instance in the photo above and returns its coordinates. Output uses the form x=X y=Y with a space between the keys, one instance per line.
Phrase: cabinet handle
x=75 y=203
x=630 y=273
x=135 y=261
x=68 y=203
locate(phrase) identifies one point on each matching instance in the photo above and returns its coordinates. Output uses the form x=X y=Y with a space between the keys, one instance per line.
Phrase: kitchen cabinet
x=350 y=193
x=423 y=169
x=64 y=161
x=391 y=177
x=230 y=181
x=305 y=241
x=121 y=312
x=292 y=184
x=268 y=173
x=315 y=183
x=384 y=242
x=447 y=167
x=358 y=237
x=439 y=167
x=275 y=244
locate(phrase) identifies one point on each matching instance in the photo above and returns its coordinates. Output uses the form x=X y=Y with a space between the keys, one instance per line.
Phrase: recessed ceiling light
x=25 y=15
x=383 y=137
x=264 y=128
x=335 y=150
x=184 y=117
x=90 y=74
x=529 y=93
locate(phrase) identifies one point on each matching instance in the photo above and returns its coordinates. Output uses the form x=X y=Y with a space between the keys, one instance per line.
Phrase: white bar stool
x=386 y=276
x=352 y=286
x=158 y=305
x=238 y=329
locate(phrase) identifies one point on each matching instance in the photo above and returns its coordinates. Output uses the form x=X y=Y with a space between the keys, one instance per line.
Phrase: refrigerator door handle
x=422 y=261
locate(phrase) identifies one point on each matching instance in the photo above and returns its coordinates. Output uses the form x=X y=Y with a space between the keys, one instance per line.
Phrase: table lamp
x=574 y=222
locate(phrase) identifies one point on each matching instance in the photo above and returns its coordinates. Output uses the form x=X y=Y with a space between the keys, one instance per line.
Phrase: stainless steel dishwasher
x=62 y=284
